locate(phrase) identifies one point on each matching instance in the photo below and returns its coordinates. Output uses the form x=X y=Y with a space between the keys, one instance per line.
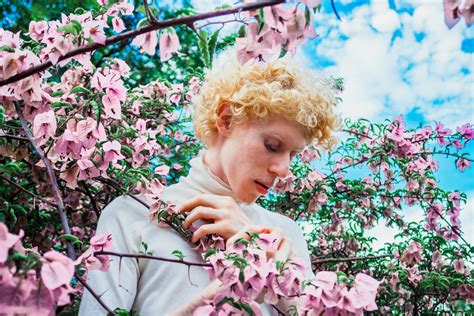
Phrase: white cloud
x=385 y=78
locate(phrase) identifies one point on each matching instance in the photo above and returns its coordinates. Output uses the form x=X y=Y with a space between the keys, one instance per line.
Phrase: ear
x=224 y=119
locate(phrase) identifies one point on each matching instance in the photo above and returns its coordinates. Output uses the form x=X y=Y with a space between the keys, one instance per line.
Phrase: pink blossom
x=412 y=254
x=437 y=260
x=452 y=13
x=169 y=44
x=466 y=131
x=112 y=106
x=118 y=25
x=458 y=265
x=87 y=169
x=7 y=240
x=44 y=126
x=462 y=164
x=147 y=42
x=57 y=270
x=37 y=30
x=162 y=170
x=468 y=12
x=112 y=151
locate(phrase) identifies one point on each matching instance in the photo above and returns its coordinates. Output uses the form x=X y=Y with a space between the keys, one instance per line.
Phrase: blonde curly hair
x=253 y=91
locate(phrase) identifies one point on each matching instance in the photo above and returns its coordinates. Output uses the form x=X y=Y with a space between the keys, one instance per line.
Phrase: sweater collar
x=201 y=177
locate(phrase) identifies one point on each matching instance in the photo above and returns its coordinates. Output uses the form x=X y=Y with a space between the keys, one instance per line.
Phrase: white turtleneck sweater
x=155 y=287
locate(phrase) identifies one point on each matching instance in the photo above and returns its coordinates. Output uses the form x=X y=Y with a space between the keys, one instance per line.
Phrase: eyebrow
x=281 y=140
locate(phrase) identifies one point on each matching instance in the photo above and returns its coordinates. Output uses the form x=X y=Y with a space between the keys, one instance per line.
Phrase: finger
x=284 y=250
x=204 y=230
x=200 y=212
x=208 y=200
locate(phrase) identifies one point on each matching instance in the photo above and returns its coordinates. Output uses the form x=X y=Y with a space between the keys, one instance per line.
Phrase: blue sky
x=398 y=57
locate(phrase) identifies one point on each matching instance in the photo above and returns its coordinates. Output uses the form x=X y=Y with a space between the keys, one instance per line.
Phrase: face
x=253 y=156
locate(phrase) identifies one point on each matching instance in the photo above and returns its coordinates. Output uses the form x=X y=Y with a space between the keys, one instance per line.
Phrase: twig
x=140 y=256
x=52 y=179
x=27 y=192
x=349 y=259
x=335 y=11
x=87 y=191
x=13 y=137
x=142 y=30
x=94 y=294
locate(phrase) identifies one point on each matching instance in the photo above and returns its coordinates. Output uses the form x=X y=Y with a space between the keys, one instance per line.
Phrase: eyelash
x=271 y=148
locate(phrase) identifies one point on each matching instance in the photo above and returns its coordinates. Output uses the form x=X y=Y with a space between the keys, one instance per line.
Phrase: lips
x=262 y=188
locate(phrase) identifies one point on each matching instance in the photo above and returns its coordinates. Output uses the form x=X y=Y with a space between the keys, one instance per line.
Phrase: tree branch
x=140 y=256
x=94 y=294
x=328 y=260
x=145 y=29
x=52 y=179
x=27 y=192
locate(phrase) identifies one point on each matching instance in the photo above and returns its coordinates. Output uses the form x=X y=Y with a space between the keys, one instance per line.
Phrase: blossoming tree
x=84 y=119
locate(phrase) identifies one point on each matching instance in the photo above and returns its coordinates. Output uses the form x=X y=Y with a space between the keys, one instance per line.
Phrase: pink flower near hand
x=147 y=42
x=169 y=44
x=325 y=280
x=7 y=241
x=57 y=270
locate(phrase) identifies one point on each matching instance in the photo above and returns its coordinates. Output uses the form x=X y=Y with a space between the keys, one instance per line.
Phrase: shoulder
x=124 y=209
x=178 y=193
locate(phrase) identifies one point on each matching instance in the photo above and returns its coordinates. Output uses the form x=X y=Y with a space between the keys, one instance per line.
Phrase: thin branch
x=335 y=11
x=13 y=137
x=52 y=179
x=95 y=295
x=328 y=260
x=87 y=191
x=27 y=192
x=142 y=30
x=140 y=256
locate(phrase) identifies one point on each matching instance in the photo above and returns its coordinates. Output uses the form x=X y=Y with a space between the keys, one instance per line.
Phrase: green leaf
x=73 y=27
x=204 y=48
x=127 y=151
x=212 y=45
x=59 y=104
x=7 y=48
x=80 y=89
x=142 y=22
x=307 y=14
x=71 y=238
x=210 y=252
x=178 y=254
x=2 y=114
x=57 y=93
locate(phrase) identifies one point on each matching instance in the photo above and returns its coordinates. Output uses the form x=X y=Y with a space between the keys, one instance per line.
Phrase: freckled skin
x=257 y=151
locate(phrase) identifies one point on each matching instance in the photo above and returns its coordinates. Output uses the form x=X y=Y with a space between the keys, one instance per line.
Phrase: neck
x=212 y=159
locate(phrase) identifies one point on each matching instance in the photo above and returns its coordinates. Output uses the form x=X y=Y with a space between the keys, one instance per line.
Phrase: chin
x=248 y=198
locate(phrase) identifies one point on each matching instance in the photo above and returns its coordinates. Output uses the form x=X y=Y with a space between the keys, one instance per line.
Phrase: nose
x=280 y=166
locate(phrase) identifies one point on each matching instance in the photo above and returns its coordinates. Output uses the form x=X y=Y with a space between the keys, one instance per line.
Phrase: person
x=253 y=119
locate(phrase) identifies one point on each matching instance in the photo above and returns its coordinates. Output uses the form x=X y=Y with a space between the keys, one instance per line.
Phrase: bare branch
x=140 y=256
x=328 y=260
x=188 y=20
x=95 y=295
x=51 y=177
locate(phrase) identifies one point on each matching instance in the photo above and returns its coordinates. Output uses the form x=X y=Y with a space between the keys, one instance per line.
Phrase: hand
x=283 y=245
x=226 y=216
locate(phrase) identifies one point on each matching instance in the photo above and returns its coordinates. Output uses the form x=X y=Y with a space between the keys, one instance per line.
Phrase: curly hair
x=255 y=90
